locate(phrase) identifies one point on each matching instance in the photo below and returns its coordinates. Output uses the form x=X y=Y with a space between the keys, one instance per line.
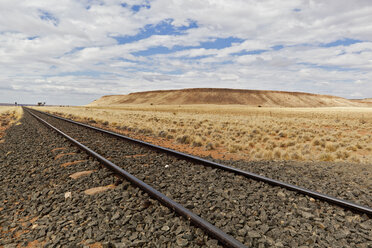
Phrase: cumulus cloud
x=71 y=52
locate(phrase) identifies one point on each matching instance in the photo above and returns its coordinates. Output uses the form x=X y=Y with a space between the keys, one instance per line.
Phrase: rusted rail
x=317 y=195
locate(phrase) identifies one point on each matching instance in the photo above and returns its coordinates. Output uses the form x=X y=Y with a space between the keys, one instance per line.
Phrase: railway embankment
x=42 y=205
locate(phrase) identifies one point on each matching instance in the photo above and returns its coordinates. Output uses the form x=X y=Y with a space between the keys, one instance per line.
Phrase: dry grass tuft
x=326 y=157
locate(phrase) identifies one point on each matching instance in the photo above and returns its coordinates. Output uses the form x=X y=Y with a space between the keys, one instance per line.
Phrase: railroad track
x=226 y=197
x=50 y=197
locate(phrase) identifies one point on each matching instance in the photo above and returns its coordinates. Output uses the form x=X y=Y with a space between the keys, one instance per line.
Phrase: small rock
x=165 y=228
x=179 y=230
x=366 y=226
x=363 y=245
x=281 y=194
x=107 y=245
x=254 y=234
x=264 y=228
x=42 y=232
x=279 y=244
x=212 y=243
x=188 y=236
x=116 y=216
x=89 y=241
x=133 y=236
x=189 y=205
x=321 y=225
x=182 y=242
x=136 y=243
x=341 y=234
x=120 y=245
x=349 y=218
x=67 y=195
x=307 y=215
x=10 y=245
x=166 y=166
x=242 y=232
x=146 y=204
x=341 y=213
x=263 y=215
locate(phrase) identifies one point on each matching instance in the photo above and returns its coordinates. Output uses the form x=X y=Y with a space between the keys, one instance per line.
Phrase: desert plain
x=241 y=132
x=325 y=146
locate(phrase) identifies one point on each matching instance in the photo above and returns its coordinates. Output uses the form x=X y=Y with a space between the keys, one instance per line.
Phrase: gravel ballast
x=352 y=182
x=255 y=213
x=42 y=206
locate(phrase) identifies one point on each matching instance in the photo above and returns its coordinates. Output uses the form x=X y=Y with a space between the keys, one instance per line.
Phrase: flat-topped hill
x=228 y=96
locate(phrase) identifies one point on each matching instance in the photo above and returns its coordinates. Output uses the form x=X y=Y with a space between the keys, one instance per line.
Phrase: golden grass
x=8 y=116
x=302 y=134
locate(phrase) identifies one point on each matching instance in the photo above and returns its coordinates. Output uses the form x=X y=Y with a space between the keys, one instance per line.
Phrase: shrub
x=331 y=147
x=316 y=142
x=326 y=157
x=268 y=155
x=355 y=159
x=285 y=156
x=235 y=148
x=209 y=146
x=291 y=143
x=352 y=148
x=295 y=156
x=185 y=139
x=282 y=134
x=277 y=153
x=197 y=142
x=342 y=154
x=162 y=134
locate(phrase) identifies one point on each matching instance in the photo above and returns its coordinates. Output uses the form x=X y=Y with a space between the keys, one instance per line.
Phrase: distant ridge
x=264 y=98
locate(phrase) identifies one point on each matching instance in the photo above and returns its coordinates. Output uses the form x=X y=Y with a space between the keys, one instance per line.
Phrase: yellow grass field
x=8 y=116
x=240 y=132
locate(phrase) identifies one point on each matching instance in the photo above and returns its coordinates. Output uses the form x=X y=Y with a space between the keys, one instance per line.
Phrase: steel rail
x=317 y=195
x=212 y=230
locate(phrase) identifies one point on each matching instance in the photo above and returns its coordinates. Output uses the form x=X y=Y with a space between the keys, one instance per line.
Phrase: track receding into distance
x=252 y=211
x=224 y=238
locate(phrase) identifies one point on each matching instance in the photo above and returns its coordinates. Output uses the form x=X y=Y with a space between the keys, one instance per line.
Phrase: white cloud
x=61 y=50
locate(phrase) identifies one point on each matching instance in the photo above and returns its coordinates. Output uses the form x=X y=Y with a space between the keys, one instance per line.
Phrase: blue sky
x=82 y=50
